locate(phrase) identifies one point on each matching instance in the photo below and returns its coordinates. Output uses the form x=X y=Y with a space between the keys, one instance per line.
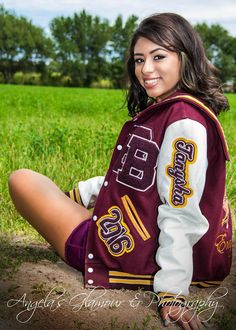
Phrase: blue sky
x=41 y=12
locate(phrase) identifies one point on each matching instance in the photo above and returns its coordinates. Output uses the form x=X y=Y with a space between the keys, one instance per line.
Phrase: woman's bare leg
x=46 y=207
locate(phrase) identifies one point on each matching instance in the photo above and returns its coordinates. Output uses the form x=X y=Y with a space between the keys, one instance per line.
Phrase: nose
x=148 y=66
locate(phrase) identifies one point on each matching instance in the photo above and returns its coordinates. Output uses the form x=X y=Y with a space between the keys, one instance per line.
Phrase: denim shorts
x=75 y=247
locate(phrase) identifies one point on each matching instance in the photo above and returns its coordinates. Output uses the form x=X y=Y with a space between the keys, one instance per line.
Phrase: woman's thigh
x=46 y=207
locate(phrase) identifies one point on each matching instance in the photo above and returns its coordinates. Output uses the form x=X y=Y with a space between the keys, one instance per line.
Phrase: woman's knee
x=19 y=179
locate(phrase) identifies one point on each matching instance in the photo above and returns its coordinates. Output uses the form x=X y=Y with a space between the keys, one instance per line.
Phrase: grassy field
x=68 y=135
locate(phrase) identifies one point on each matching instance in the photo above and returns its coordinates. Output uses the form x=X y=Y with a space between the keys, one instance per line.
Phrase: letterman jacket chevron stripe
x=161 y=219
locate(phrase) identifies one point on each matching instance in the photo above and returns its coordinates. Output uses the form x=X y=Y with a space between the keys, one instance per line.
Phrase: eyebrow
x=151 y=52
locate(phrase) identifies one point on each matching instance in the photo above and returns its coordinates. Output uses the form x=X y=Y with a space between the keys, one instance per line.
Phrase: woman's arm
x=181 y=177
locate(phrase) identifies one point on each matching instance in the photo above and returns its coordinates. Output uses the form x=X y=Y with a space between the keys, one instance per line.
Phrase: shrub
x=32 y=78
x=102 y=83
x=2 y=80
x=18 y=78
x=66 y=81
x=55 y=78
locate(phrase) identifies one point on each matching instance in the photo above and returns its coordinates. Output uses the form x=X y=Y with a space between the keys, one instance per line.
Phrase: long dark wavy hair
x=197 y=77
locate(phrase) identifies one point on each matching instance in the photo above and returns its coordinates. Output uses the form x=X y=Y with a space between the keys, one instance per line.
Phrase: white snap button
x=119 y=147
x=90 y=256
x=106 y=183
x=90 y=281
x=95 y=218
x=90 y=269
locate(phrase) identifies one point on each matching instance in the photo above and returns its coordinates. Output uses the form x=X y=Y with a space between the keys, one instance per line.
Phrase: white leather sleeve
x=180 y=220
x=89 y=190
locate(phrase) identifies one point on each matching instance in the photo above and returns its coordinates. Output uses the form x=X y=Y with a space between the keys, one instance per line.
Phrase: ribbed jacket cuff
x=169 y=299
x=74 y=194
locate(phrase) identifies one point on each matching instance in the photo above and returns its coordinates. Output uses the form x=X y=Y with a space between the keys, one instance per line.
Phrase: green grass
x=228 y=121
x=68 y=135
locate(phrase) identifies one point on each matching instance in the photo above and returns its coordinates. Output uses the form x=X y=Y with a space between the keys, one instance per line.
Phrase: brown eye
x=138 y=60
x=159 y=57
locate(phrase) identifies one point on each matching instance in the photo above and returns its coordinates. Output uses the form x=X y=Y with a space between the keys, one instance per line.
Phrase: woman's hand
x=184 y=317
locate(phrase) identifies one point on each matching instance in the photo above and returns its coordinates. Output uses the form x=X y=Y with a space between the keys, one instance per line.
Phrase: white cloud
x=213 y=11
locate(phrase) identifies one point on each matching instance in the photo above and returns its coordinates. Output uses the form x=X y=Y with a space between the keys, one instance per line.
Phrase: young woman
x=161 y=220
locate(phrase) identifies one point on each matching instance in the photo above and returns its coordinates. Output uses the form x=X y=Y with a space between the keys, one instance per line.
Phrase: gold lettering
x=222 y=244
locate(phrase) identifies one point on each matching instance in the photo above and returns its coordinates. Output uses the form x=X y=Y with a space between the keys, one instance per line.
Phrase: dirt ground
x=47 y=295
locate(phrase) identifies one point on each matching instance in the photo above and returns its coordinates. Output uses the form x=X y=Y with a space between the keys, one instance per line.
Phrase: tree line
x=87 y=51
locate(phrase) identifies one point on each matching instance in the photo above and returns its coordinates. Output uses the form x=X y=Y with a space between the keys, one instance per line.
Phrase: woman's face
x=156 y=68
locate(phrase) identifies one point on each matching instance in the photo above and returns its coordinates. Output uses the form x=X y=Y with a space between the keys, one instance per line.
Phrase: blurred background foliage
x=86 y=51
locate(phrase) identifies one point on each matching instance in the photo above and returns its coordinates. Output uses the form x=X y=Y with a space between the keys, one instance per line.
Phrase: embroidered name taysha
x=184 y=154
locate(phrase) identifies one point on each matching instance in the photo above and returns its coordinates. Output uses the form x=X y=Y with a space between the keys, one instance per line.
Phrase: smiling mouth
x=151 y=82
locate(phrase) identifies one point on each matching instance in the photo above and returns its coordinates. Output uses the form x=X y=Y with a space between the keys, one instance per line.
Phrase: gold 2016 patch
x=184 y=154
x=114 y=232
